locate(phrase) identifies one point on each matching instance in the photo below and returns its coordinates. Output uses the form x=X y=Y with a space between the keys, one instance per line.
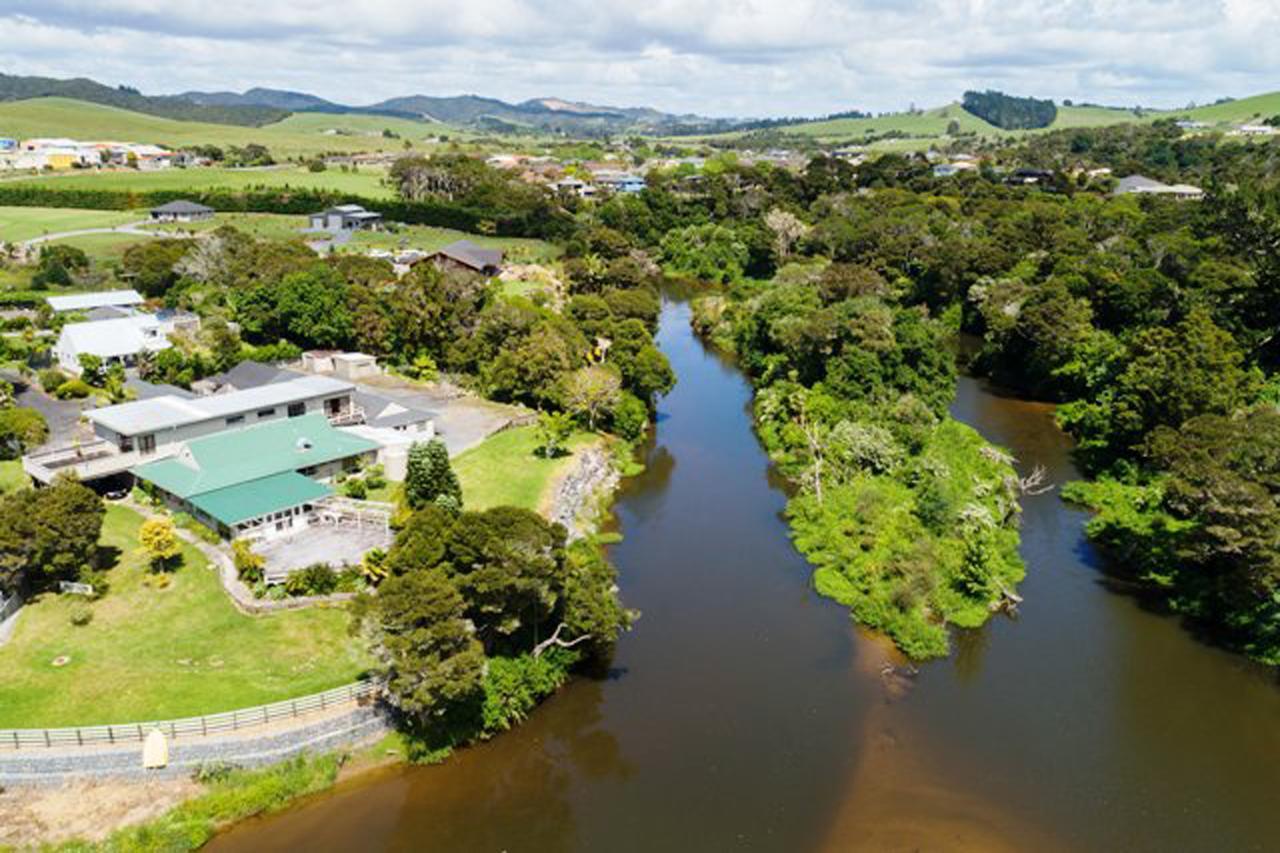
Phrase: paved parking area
x=461 y=420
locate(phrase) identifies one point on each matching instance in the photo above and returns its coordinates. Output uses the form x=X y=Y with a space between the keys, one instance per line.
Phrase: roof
x=161 y=413
x=1143 y=184
x=234 y=457
x=85 y=301
x=114 y=338
x=383 y=412
x=147 y=390
x=251 y=374
x=182 y=206
x=468 y=253
x=257 y=498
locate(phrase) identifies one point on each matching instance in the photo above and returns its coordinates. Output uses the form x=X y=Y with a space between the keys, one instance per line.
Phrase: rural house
x=261 y=479
x=181 y=211
x=114 y=341
x=345 y=217
x=465 y=255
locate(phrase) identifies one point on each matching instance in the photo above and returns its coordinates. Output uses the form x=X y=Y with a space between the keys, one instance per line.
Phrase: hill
x=1237 y=111
x=301 y=134
x=16 y=88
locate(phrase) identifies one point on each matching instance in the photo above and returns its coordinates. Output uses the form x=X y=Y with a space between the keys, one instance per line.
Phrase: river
x=746 y=712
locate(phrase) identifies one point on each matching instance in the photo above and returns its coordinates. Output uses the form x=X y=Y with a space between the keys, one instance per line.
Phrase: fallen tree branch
x=554 y=640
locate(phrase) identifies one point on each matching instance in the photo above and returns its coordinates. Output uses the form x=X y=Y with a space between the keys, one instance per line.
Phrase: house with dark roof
x=345 y=217
x=465 y=255
x=181 y=211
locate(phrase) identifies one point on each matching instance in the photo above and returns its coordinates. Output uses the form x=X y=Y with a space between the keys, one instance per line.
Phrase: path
x=128 y=228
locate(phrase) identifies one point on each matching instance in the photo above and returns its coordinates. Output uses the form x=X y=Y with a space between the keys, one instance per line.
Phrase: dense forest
x=1150 y=321
x=1010 y=112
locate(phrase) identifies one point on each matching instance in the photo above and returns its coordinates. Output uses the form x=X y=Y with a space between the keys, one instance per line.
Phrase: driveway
x=63 y=416
x=462 y=421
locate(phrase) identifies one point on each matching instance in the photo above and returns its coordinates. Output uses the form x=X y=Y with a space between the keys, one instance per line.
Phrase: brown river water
x=744 y=712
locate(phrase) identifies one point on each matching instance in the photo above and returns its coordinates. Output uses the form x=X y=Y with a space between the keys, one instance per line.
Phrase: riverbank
x=1087 y=723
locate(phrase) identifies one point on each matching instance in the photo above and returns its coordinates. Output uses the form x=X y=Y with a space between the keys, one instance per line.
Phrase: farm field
x=299 y=135
x=25 y=223
x=364 y=182
x=153 y=653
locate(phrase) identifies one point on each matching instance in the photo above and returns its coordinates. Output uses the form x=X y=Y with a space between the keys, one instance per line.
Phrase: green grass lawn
x=25 y=223
x=504 y=471
x=12 y=477
x=163 y=653
x=265 y=226
x=428 y=239
x=366 y=181
x=102 y=248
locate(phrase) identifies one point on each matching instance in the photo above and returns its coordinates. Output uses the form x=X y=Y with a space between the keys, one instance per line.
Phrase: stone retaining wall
x=571 y=503
x=356 y=726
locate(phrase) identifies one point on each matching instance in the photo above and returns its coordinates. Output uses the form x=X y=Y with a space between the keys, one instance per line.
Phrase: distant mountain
x=547 y=115
x=279 y=99
x=18 y=88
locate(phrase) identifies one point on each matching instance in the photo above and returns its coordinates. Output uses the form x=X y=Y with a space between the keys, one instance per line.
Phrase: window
x=147 y=443
x=265 y=413
x=297 y=409
x=235 y=419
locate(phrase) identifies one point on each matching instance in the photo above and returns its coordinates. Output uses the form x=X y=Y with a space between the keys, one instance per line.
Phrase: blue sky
x=715 y=57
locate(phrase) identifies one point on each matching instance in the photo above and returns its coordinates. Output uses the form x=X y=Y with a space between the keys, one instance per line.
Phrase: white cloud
x=721 y=57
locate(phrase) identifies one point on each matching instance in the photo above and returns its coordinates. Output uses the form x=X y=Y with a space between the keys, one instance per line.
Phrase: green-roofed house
x=263 y=479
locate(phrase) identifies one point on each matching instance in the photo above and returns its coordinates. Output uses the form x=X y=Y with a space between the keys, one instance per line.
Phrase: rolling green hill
x=1242 y=110
x=301 y=134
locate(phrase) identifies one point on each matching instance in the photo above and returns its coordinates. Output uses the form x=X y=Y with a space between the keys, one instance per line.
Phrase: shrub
x=50 y=378
x=356 y=488
x=81 y=613
x=250 y=567
x=159 y=542
x=76 y=389
x=315 y=579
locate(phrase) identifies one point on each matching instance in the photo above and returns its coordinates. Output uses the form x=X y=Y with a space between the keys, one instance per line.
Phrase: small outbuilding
x=181 y=211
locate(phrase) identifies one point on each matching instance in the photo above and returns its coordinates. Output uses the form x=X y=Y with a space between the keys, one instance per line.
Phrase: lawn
x=163 y=653
x=25 y=223
x=264 y=226
x=365 y=181
x=102 y=248
x=12 y=477
x=428 y=239
x=504 y=471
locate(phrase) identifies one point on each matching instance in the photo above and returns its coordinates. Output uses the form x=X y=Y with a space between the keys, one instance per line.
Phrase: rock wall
x=572 y=502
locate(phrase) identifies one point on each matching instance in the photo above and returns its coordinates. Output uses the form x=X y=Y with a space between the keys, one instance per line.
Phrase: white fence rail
x=362 y=692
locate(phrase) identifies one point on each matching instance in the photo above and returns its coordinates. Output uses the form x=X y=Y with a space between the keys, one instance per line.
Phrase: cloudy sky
x=715 y=57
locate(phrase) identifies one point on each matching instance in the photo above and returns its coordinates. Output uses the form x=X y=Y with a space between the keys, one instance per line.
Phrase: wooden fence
x=362 y=692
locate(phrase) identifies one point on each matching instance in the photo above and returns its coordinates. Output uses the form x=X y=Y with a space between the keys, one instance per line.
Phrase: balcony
x=89 y=461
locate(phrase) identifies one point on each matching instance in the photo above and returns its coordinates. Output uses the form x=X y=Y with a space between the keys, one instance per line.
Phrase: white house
x=119 y=340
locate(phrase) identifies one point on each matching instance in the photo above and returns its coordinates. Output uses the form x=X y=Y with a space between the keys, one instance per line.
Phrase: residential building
x=114 y=341
x=1142 y=185
x=1257 y=130
x=465 y=255
x=345 y=217
x=181 y=211
x=135 y=432
x=89 y=301
x=260 y=480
